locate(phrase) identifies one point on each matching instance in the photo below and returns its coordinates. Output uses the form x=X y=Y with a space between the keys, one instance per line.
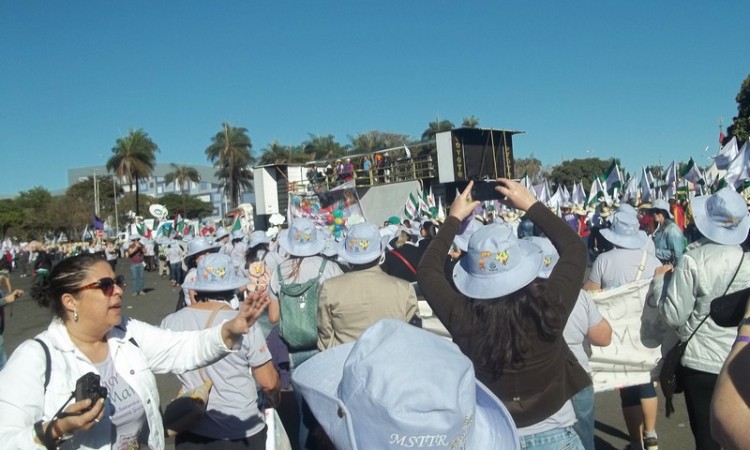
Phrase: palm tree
x=229 y=152
x=182 y=174
x=323 y=147
x=276 y=153
x=436 y=127
x=133 y=157
x=470 y=122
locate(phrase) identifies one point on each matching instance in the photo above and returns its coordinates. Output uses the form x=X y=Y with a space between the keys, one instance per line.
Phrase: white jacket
x=701 y=275
x=23 y=401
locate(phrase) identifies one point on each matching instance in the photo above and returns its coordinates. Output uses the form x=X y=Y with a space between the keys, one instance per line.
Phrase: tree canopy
x=229 y=152
x=575 y=170
x=740 y=127
x=133 y=157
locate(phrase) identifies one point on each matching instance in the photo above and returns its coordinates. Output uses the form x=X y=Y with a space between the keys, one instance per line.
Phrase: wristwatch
x=744 y=321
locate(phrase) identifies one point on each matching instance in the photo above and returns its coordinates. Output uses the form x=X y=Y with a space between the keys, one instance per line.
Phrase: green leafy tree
x=276 y=153
x=126 y=204
x=79 y=205
x=10 y=216
x=229 y=152
x=133 y=157
x=530 y=166
x=35 y=212
x=182 y=174
x=574 y=170
x=323 y=147
x=470 y=122
x=376 y=140
x=191 y=207
x=436 y=127
x=740 y=127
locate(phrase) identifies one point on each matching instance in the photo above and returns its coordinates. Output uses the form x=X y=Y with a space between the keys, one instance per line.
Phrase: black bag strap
x=48 y=363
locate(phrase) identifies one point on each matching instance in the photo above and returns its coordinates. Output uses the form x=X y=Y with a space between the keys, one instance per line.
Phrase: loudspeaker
x=474 y=153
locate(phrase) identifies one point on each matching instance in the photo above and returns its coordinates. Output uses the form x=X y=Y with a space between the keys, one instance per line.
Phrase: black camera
x=482 y=190
x=89 y=386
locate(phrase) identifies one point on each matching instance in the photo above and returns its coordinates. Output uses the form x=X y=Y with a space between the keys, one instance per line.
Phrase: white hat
x=301 y=239
x=400 y=386
x=549 y=252
x=462 y=240
x=363 y=244
x=722 y=217
x=625 y=231
x=197 y=247
x=215 y=273
x=664 y=206
x=258 y=237
x=496 y=263
x=220 y=234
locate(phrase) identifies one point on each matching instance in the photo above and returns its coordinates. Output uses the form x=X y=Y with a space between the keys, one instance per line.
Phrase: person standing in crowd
x=197 y=249
x=402 y=259
x=148 y=244
x=222 y=238
x=111 y=253
x=136 y=255
x=716 y=266
x=236 y=377
x=6 y=298
x=567 y=214
x=509 y=322
x=585 y=326
x=668 y=238
x=174 y=258
x=239 y=249
x=628 y=261
x=678 y=213
x=350 y=303
x=89 y=334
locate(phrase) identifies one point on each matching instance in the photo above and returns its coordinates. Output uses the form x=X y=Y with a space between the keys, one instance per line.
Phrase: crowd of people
x=335 y=324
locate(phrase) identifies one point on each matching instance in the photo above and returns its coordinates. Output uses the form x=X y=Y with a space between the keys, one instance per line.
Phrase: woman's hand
x=661 y=270
x=463 y=205
x=250 y=309
x=78 y=418
x=515 y=195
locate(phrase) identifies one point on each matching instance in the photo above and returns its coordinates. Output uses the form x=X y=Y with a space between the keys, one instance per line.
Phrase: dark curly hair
x=507 y=322
x=64 y=278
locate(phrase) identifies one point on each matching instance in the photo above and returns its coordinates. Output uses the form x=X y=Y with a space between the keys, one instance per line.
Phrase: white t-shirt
x=124 y=407
x=619 y=266
x=584 y=316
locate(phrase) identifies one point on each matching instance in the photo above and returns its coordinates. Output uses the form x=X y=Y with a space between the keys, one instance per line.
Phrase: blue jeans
x=583 y=405
x=137 y=271
x=557 y=439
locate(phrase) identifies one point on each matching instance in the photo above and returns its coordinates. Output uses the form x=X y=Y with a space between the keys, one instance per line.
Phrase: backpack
x=258 y=274
x=298 y=325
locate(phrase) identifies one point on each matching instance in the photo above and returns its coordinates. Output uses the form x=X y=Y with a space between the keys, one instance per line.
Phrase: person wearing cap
x=197 y=249
x=350 y=303
x=668 y=238
x=399 y=386
x=629 y=260
x=222 y=238
x=585 y=326
x=402 y=258
x=233 y=394
x=136 y=254
x=718 y=265
x=509 y=322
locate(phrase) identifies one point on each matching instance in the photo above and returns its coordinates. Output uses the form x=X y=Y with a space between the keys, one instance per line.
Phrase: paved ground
x=24 y=319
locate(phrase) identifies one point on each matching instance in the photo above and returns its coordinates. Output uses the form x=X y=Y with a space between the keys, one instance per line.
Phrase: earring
x=75 y=315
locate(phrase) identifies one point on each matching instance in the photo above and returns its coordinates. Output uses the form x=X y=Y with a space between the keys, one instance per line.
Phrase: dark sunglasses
x=107 y=285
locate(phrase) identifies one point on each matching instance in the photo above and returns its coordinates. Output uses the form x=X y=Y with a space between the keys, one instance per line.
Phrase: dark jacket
x=550 y=374
x=395 y=266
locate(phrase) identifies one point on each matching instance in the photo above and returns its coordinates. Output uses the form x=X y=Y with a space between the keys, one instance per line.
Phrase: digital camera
x=89 y=386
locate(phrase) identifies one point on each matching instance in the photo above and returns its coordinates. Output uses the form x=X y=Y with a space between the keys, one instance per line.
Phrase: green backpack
x=298 y=325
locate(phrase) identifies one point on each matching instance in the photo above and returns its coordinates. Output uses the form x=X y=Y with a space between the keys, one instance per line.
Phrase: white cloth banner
x=637 y=334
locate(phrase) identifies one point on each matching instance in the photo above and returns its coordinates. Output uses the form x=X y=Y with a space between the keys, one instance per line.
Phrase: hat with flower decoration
x=363 y=244
x=215 y=273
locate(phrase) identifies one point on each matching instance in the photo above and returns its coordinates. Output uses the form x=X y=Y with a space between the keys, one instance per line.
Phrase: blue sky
x=642 y=81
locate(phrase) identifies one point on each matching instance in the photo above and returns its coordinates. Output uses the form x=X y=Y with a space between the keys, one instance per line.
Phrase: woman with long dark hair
x=509 y=322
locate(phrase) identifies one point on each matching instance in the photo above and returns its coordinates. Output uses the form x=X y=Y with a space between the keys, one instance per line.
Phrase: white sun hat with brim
x=301 y=239
x=497 y=263
x=549 y=253
x=462 y=240
x=134 y=237
x=258 y=237
x=215 y=273
x=722 y=217
x=363 y=244
x=626 y=208
x=220 y=234
x=662 y=205
x=625 y=231
x=401 y=386
x=197 y=247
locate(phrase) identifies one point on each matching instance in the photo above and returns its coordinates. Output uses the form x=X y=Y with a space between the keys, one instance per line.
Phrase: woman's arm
x=268 y=379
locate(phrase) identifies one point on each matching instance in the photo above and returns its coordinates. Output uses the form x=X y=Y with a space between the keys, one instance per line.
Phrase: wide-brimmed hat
x=363 y=244
x=258 y=237
x=301 y=239
x=197 y=247
x=220 y=234
x=722 y=217
x=134 y=237
x=238 y=234
x=625 y=231
x=399 y=386
x=549 y=253
x=626 y=208
x=497 y=263
x=662 y=204
x=604 y=211
x=215 y=273
x=462 y=240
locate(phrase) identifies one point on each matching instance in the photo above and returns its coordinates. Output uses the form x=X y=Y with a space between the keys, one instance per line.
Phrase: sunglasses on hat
x=107 y=285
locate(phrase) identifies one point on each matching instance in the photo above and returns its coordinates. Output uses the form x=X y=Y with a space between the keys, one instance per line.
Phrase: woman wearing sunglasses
x=88 y=333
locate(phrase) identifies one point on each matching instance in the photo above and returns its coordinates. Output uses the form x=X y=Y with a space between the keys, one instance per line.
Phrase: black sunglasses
x=107 y=285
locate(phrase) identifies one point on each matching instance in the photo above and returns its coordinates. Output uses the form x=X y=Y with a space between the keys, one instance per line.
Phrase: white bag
x=276 y=438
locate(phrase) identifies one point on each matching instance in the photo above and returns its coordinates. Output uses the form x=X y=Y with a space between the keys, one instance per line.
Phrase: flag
x=98 y=224
x=646 y=185
x=86 y=234
x=411 y=209
x=670 y=178
x=237 y=225
x=578 y=197
x=739 y=168
x=613 y=178
x=595 y=189
x=692 y=173
x=721 y=137
x=424 y=208
x=726 y=155
x=631 y=189
x=440 y=212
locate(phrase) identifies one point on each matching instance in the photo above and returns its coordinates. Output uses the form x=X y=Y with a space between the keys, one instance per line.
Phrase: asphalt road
x=25 y=319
